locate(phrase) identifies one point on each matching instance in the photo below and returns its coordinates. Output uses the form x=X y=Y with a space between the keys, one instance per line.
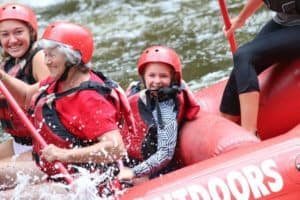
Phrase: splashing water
x=84 y=187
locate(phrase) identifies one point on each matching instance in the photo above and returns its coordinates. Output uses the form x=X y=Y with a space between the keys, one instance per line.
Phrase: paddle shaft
x=227 y=24
x=34 y=134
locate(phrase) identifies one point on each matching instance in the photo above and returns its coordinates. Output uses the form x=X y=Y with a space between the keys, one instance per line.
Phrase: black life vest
x=284 y=6
x=143 y=143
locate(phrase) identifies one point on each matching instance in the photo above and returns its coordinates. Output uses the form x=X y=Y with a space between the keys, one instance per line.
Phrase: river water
x=123 y=28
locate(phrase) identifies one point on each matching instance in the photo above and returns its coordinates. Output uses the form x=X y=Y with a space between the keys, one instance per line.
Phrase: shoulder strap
x=51 y=117
x=121 y=102
x=87 y=85
x=53 y=122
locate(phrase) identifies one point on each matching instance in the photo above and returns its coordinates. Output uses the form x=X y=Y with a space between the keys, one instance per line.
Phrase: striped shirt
x=166 y=140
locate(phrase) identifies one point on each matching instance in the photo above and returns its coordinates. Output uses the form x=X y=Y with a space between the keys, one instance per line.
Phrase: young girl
x=159 y=110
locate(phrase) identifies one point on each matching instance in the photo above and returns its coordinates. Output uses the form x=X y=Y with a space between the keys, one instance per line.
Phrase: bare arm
x=20 y=90
x=249 y=8
x=109 y=149
x=39 y=69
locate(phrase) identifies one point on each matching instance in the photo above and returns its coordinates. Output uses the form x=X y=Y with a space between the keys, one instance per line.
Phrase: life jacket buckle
x=49 y=99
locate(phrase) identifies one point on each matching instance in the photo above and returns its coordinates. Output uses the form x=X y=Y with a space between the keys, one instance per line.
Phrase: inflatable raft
x=222 y=161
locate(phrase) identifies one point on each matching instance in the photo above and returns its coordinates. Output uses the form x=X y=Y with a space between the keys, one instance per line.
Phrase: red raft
x=223 y=161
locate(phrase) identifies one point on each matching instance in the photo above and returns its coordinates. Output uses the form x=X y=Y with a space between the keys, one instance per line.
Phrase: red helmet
x=161 y=54
x=20 y=12
x=76 y=36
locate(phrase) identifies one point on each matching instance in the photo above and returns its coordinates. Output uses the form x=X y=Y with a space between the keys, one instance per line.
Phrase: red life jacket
x=143 y=142
x=54 y=132
x=284 y=6
x=10 y=121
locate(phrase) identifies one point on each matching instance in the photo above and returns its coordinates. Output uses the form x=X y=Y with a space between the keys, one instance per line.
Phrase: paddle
x=34 y=134
x=227 y=24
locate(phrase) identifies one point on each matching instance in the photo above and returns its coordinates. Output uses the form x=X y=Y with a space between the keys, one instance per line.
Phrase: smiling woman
x=23 y=60
x=85 y=136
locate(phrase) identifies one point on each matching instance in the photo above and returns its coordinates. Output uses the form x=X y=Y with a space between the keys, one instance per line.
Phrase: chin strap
x=163 y=94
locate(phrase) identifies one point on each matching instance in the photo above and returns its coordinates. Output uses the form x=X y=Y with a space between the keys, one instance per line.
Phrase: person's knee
x=241 y=56
x=6 y=149
x=10 y=170
x=7 y=175
x=247 y=54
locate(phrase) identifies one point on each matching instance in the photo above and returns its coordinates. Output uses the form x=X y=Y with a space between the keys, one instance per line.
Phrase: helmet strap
x=143 y=81
x=64 y=76
x=69 y=65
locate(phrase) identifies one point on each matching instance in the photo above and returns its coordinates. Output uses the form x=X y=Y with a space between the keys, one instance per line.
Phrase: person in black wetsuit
x=277 y=41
